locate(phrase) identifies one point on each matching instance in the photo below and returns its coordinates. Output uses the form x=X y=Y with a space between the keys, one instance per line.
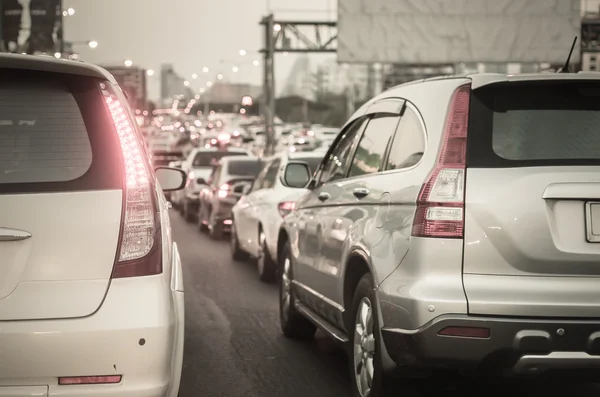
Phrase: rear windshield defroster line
x=548 y=123
x=55 y=134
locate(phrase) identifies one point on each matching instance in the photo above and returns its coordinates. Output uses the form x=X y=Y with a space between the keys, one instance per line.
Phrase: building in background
x=301 y=80
x=229 y=97
x=172 y=86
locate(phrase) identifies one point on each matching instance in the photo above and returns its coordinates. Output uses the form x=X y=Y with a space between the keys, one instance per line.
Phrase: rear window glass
x=55 y=134
x=244 y=167
x=548 y=123
x=313 y=162
x=208 y=159
x=42 y=134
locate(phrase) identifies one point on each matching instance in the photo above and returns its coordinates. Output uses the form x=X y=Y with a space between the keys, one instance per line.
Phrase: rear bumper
x=136 y=333
x=517 y=346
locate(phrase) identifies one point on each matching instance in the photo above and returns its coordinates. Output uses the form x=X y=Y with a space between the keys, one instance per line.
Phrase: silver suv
x=454 y=225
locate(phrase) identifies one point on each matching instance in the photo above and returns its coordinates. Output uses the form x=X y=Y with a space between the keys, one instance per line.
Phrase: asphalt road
x=233 y=344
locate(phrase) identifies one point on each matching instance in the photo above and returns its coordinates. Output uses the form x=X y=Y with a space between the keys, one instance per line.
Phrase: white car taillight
x=440 y=206
x=224 y=190
x=139 y=230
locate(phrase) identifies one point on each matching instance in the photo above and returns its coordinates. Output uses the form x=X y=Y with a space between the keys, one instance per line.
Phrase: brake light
x=139 y=251
x=190 y=179
x=440 y=206
x=224 y=190
x=285 y=208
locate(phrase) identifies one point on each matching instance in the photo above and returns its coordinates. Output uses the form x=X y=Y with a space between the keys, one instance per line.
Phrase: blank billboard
x=453 y=31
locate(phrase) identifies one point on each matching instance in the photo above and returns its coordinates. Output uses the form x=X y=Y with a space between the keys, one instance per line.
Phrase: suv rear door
x=60 y=195
x=532 y=184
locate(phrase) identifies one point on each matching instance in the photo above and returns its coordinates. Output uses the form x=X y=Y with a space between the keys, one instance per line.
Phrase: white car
x=198 y=166
x=257 y=216
x=91 y=291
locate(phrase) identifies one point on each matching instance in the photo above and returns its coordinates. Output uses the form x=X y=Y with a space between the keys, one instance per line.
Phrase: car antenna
x=565 y=68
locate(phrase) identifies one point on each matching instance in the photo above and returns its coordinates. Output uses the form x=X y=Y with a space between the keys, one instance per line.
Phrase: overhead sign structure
x=454 y=31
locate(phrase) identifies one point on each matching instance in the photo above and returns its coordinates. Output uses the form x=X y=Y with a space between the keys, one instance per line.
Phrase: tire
x=368 y=349
x=201 y=226
x=236 y=252
x=293 y=324
x=215 y=231
x=266 y=266
x=189 y=216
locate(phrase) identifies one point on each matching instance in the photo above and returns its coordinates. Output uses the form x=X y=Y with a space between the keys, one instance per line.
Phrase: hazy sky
x=190 y=34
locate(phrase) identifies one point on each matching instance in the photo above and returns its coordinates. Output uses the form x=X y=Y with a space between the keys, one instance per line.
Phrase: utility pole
x=269 y=84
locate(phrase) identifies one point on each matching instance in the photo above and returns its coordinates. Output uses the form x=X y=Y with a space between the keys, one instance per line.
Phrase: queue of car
x=449 y=229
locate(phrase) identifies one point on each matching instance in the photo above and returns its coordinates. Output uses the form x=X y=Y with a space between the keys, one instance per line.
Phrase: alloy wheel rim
x=286 y=281
x=364 y=348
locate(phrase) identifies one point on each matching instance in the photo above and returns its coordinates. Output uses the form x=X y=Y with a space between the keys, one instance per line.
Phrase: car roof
x=47 y=63
x=481 y=79
x=233 y=159
x=214 y=149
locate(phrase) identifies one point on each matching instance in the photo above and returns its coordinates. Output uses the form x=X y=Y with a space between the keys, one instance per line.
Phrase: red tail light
x=90 y=380
x=440 y=206
x=285 y=208
x=139 y=252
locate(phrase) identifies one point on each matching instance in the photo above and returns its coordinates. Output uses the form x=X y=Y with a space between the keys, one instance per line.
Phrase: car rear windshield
x=53 y=134
x=208 y=159
x=313 y=162
x=244 y=167
x=535 y=124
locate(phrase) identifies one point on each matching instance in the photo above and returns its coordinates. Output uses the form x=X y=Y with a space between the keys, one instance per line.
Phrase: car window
x=338 y=159
x=207 y=159
x=535 y=124
x=244 y=167
x=409 y=142
x=51 y=136
x=272 y=172
x=370 y=152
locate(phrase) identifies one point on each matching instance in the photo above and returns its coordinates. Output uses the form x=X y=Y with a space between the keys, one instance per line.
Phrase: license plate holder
x=592 y=221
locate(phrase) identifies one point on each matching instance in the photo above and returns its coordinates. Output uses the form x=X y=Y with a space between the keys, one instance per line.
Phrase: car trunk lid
x=61 y=191
x=532 y=201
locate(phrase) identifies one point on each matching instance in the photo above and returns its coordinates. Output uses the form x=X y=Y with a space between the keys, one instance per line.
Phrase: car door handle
x=323 y=196
x=360 y=192
x=7 y=234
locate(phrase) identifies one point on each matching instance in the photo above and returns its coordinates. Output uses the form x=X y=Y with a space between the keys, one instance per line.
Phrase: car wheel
x=366 y=370
x=215 y=229
x=202 y=227
x=188 y=215
x=267 y=267
x=293 y=324
x=236 y=252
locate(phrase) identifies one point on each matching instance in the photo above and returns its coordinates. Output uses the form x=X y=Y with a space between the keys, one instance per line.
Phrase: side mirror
x=296 y=175
x=170 y=179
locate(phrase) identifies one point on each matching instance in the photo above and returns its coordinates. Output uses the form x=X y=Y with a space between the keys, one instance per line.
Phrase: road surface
x=233 y=344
